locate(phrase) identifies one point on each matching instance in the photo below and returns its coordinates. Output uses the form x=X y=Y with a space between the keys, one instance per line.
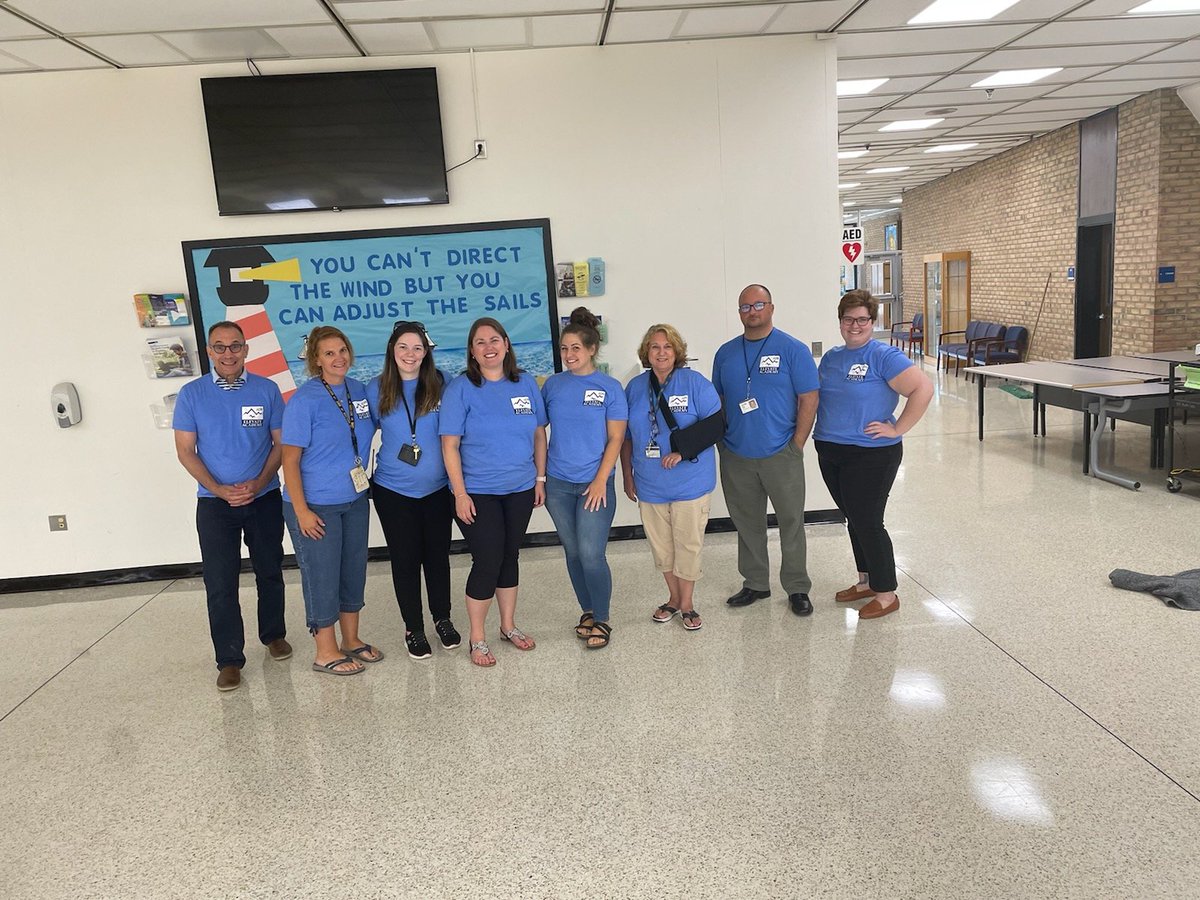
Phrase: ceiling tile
x=312 y=40
x=558 y=31
x=1188 y=51
x=920 y=40
x=1022 y=129
x=13 y=27
x=367 y=10
x=234 y=43
x=1041 y=57
x=1088 y=105
x=53 y=54
x=960 y=98
x=1102 y=88
x=460 y=34
x=11 y=64
x=1068 y=75
x=1099 y=8
x=73 y=17
x=891 y=66
x=726 y=20
x=820 y=15
x=135 y=49
x=1189 y=71
x=1111 y=31
x=633 y=27
x=393 y=37
x=896 y=13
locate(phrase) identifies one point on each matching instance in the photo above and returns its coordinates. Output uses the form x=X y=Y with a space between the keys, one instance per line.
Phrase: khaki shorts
x=675 y=532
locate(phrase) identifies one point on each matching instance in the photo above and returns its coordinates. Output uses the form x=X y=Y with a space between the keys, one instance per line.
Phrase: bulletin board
x=277 y=288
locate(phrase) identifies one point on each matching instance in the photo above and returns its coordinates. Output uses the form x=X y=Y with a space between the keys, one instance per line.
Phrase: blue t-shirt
x=429 y=474
x=780 y=368
x=855 y=392
x=496 y=423
x=232 y=428
x=313 y=422
x=691 y=397
x=579 y=408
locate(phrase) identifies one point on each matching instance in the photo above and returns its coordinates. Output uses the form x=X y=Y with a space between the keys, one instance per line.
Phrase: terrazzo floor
x=1019 y=729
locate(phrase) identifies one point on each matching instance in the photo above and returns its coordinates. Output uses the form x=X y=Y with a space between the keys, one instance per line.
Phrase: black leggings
x=417 y=531
x=859 y=479
x=494 y=539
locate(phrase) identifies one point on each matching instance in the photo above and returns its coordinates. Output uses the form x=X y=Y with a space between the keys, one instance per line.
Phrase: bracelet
x=541 y=479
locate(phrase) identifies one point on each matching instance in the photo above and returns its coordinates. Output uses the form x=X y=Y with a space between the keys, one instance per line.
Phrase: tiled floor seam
x=73 y=659
x=1061 y=695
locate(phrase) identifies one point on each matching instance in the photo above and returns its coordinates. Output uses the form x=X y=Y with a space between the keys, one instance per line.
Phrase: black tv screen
x=328 y=140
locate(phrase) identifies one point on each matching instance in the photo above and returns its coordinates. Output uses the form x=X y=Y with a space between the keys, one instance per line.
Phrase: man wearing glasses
x=768 y=385
x=228 y=428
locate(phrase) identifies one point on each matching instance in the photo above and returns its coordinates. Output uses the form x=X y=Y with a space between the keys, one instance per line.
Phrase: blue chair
x=910 y=335
x=1009 y=349
x=976 y=332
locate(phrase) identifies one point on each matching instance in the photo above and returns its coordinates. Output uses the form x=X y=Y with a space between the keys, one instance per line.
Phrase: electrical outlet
x=816 y=348
x=58 y=523
x=480 y=149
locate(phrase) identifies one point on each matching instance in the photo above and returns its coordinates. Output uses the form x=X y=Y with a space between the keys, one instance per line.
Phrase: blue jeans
x=584 y=537
x=333 y=569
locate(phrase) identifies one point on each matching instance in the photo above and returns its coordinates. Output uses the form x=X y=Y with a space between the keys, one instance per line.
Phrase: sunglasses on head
x=403 y=326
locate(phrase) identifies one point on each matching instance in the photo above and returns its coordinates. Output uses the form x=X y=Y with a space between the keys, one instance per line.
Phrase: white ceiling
x=1107 y=57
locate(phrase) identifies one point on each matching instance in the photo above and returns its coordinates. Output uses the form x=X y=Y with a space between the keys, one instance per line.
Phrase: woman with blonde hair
x=672 y=493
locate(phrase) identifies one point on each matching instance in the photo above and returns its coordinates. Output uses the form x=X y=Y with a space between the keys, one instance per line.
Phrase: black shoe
x=745 y=597
x=418 y=647
x=800 y=604
x=450 y=637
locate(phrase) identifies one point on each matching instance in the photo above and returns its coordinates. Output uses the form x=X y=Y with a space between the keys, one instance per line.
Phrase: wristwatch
x=541 y=478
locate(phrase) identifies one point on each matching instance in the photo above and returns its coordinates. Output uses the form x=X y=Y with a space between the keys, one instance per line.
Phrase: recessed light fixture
x=1012 y=77
x=960 y=11
x=910 y=124
x=848 y=185
x=887 y=170
x=859 y=86
x=1155 y=7
x=952 y=148
x=851 y=154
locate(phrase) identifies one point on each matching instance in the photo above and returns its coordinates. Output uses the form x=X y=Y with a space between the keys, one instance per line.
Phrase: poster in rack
x=277 y=288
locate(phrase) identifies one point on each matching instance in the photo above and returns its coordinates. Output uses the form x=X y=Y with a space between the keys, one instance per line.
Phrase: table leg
x=1087 y=440
x=1036 y=398
x=980 y=380
x=1103 y=410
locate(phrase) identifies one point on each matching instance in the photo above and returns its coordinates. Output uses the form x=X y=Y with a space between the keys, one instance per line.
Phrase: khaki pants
x=748 y=483
x=675 y=532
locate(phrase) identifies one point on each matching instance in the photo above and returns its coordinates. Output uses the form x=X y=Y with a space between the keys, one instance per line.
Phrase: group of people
x=475 y=448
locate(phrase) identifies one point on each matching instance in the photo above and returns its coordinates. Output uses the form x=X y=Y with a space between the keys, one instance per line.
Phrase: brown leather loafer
x=279 y=649
x=229 y=678
x=853 y=593
x=875 y=609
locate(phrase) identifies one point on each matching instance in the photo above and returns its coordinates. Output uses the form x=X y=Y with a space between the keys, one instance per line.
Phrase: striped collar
x=235 y=384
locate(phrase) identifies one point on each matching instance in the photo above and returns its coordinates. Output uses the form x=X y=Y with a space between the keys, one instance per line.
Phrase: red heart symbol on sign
x=851 y=251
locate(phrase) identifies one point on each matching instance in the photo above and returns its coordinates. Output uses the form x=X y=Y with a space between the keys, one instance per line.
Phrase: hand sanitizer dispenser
x=64 y=404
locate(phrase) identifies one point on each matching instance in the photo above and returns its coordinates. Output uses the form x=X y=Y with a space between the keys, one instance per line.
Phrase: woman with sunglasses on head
x=672 y=493
x=587 y=413
x=327 y=434
x=858 y=442
x=493 y=427
x=409 y=486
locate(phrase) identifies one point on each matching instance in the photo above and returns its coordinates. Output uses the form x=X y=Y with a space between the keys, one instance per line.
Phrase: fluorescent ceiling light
x=851 y=154
x=1164 y=6
x=848 y=203
x=952 y=148
x=887 y=170
x=858 y=87
x=960 y=11
x=910 y=124
x=1014 y=77
x=896 y=200
x=848 y=185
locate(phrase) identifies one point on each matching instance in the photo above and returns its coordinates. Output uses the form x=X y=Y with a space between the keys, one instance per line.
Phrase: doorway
x=1093 y=290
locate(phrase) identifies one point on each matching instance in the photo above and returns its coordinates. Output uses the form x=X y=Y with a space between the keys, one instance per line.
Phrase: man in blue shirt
x=768 y=385
x=228 y=429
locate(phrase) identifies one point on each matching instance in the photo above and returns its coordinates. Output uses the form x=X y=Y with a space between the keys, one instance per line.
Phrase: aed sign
x=852 y=244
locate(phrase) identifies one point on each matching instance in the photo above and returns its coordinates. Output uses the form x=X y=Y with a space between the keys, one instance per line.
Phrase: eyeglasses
x=757 y=307
x=402 y=326
x=221 y=349
x=860 y=321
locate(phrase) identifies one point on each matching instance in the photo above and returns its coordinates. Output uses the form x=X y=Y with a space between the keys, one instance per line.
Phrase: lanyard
x=746 y=358
x=412 y=423
x=347 y=416
x=656 y=392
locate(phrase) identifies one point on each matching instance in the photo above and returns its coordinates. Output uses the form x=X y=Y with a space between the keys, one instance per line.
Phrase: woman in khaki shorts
x=672 y=493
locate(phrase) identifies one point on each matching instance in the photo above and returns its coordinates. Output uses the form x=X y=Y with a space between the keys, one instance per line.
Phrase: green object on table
x=1017 y=391
x=1192 y=377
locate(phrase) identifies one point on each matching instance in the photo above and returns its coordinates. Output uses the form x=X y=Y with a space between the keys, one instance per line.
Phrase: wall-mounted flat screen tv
x=328 y=140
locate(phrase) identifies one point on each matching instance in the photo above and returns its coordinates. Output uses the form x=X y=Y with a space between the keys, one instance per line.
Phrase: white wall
x=692 y=168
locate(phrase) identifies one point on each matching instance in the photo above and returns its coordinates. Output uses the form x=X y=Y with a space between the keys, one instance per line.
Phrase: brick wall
x=1016 y=214
x=1135 y=235
x=1177 y=306
x=873 y=224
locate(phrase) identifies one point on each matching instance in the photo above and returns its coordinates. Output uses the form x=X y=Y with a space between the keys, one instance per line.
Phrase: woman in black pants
x=410 y=486
x=857 y=438
x=493 y=427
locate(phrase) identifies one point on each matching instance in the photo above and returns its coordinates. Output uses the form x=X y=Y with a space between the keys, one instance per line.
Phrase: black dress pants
x=417 y=531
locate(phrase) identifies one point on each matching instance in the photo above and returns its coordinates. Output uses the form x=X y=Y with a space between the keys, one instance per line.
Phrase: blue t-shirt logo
x=252 y=416
x=858 y=372
x=594 y=398
x=768 y=365
x=678 y=403
x=522 y=406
